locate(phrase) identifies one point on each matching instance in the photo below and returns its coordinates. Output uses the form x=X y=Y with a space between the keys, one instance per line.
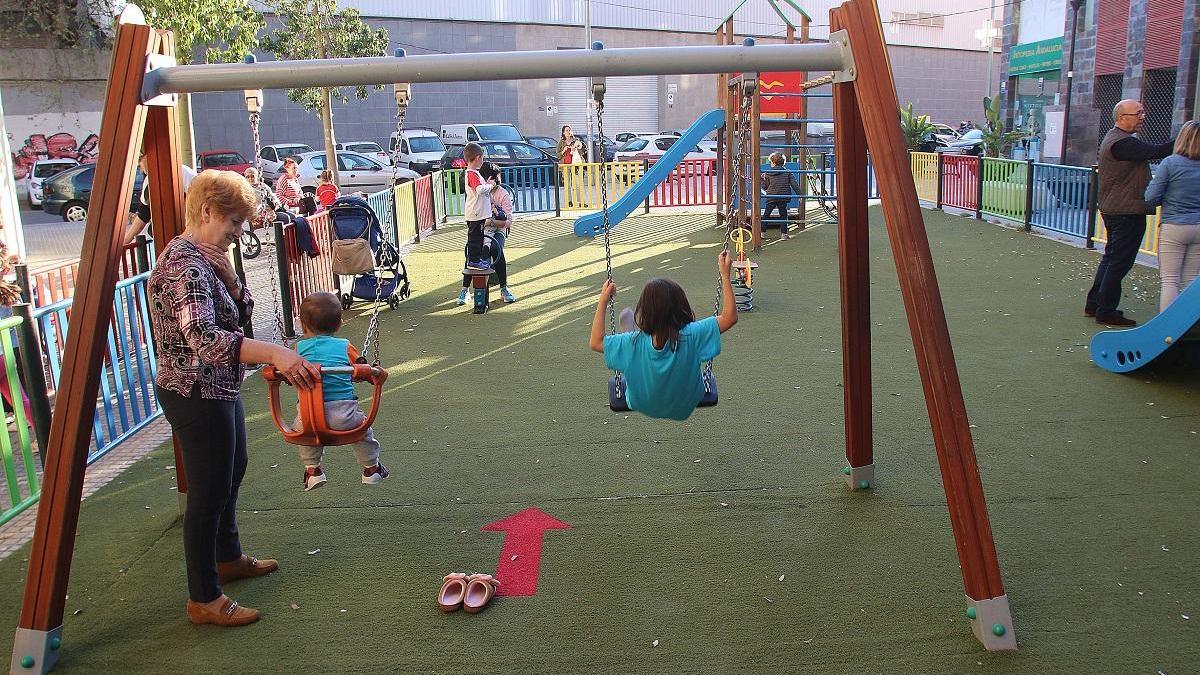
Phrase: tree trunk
x=327 y=124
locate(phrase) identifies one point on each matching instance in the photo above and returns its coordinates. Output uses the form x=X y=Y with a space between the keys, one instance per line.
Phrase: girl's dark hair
x=663 y=310
x=490 y=171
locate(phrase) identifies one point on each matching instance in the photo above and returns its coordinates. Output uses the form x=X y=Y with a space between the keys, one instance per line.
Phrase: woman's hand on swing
x=295 y=369
x=608 y=290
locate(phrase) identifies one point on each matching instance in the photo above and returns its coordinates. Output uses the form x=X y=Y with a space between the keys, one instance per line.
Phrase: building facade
x=1113 y=49
x=939 y=63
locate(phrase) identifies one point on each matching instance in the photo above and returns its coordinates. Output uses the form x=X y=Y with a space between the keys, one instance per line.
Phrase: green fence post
x=1093 y=205
x=979 y=190
x=22 y=271
x=285 y=287
x=1028 y=195
x=34 y=375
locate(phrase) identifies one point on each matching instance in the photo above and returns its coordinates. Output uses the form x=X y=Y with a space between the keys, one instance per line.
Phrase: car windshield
x=498 y=132
x=364 y=147
x=635 y=144
x=292 y=150
x=425 y=144
x=47 y=170
x=223 y=159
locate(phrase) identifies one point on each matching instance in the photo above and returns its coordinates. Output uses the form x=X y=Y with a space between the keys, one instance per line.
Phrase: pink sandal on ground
x=480 y=589
x=454 y=589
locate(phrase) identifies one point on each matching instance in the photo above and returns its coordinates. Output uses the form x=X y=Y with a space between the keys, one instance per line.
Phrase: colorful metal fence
x=1005 y=182
x=438 y=179
x=1149 y=245
x=456 y=197
x=384 y=207
x=692 y=183
x=960 y=181
x=426 y=215
x=1061 y=199
x=308 y=273
x=406 y=215
x=126 y=400
x=534 y=187
x=581 y=183
x=20 y=488
x=48 y=285
x=925 y=174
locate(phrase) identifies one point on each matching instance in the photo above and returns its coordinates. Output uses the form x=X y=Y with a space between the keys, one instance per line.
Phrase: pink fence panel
x=692 y=183
x=426 y=217
x=960 y=181
x=307 y=274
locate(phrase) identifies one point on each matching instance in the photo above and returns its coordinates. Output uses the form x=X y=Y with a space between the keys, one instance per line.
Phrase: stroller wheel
x=346 y=301
x=393 y=301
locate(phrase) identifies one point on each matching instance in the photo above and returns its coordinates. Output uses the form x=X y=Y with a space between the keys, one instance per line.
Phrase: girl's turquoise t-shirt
x=664 y=382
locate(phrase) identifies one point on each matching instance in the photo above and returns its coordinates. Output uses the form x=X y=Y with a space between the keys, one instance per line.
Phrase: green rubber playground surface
x=726 y=544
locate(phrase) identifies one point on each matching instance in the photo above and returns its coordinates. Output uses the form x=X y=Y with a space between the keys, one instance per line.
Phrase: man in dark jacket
x=1124 y=175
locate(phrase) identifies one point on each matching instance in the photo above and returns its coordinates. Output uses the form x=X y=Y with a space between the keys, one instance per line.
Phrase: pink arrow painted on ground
x=521 y=554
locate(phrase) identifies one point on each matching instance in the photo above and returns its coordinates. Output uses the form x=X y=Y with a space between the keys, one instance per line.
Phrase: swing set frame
x=140 y=105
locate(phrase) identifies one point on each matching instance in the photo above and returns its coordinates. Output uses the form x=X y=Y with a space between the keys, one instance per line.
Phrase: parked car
x=369 y=148
x=650 y=148
x=420 y=149
x=626 y=136
x=222 y=160
x=970 y=143
x=491 y=131
x=546 y=143
x=41 y=170
x=67 y=193
x=273 y=155
x=356 y=173
x=507 y=154
x=610 y=146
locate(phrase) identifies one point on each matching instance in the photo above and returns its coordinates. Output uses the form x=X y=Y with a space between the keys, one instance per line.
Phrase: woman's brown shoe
x=230 y=614
x=244 y=568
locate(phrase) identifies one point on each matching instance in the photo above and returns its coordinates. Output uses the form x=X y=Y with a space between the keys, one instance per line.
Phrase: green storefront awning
x=1035 y=57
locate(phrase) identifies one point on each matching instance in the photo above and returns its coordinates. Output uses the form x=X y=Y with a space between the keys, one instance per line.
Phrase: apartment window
x=925 y=19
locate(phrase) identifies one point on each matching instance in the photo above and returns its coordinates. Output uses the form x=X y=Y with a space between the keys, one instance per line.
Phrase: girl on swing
x=662 y=346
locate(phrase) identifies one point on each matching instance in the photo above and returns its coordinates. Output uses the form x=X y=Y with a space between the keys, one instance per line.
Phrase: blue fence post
x=1093 y=202
x=34 y=375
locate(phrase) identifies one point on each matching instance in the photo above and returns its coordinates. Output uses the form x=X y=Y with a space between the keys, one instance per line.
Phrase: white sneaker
x=314 y=477
x=462 y=298
x=507 y=295
x=374 y=475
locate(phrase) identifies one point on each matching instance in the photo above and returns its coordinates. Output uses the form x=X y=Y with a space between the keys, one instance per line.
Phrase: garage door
x=630 y=104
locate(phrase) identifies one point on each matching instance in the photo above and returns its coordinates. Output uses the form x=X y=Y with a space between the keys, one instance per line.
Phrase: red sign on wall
x=777 y=83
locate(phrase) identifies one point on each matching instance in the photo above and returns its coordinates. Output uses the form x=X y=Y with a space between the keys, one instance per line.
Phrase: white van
x=420 y=150
x=491 y=131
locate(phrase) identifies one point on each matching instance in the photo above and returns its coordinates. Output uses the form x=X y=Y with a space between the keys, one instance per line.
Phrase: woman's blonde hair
x=1188 y=142
x=226 y=193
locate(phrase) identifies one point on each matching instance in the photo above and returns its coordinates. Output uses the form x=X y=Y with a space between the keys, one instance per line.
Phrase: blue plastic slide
x=1123 y=351
x=591 y=224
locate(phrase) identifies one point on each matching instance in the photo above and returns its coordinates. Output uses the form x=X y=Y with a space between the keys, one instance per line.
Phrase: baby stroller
x=352 y=218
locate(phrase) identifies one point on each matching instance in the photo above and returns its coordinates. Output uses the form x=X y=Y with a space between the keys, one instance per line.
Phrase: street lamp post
x=587 y=94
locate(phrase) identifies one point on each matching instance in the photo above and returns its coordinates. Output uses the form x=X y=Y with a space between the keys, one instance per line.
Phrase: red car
x=222 y=160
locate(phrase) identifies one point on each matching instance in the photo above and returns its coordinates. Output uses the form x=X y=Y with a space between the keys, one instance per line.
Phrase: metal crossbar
x=524 y=65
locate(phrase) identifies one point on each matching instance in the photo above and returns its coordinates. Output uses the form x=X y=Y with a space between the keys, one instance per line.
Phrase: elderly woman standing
x=1176 y=187
x=288 y=189
x=199 y=306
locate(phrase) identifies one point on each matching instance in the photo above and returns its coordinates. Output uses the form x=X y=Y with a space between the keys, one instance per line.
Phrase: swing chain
x=277 y=332
x=598 y=90
x=372 y=337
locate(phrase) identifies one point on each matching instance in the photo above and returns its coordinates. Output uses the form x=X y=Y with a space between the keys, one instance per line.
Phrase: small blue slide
x=1123 y=351
x=592 y=224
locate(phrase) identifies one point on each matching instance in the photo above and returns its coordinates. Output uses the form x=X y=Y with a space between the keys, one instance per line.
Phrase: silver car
x=43 y=169
x=357 y=173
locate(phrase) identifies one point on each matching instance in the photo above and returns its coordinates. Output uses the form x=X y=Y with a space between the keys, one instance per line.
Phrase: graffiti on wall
x=56 y=146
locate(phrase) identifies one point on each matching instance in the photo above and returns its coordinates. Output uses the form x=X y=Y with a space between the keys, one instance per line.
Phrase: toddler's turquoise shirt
x=328 y=350
x=664 y=382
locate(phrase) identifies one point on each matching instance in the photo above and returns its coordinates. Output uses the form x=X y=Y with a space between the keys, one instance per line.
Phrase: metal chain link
x=741 y=156
x=604 y=174
x=277 y=332
x=372 y=337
